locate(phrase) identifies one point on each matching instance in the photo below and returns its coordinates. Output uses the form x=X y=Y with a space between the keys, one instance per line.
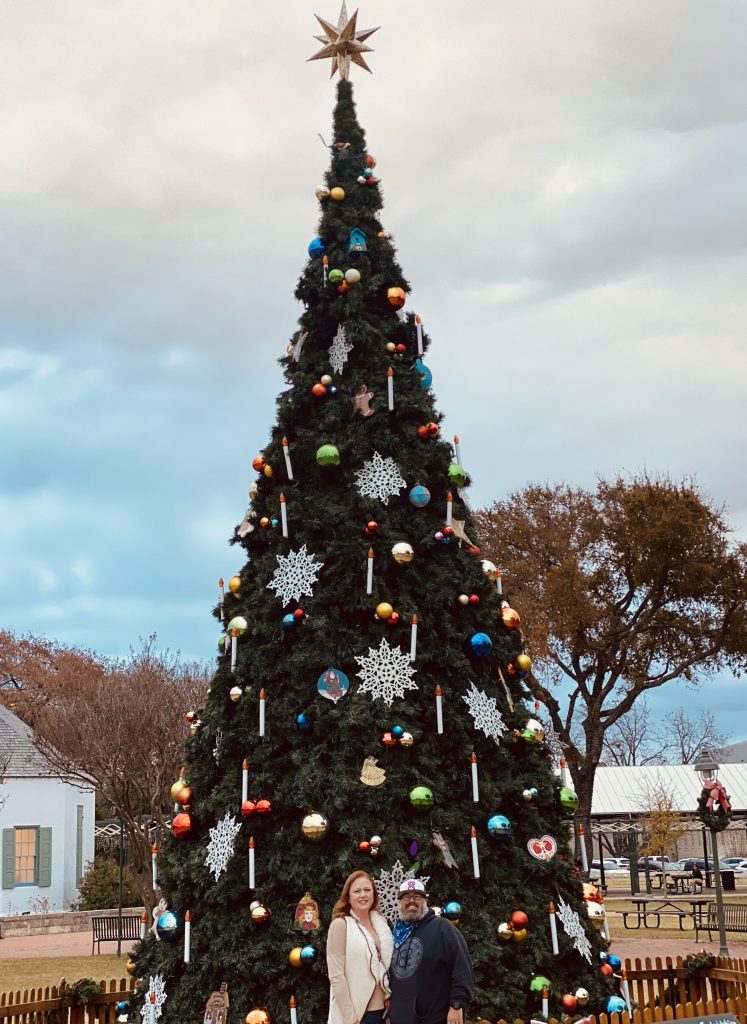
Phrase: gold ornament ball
x=294 y=957
x=259 y=1015
x=505 y=931
x=518 y=934
x=384 y=610
x=264 y=522
x=463 y=599
x=178 y=786
x=523 y=662
x=406 y=739
x=337 y=193
x=267 y=471
x=235 y=693
x=314 y=826
x=396 y=297
x=130 y=967
x=391 y=347
x=260 y=914
x=184 y=796
x=326 y=380
x=402 y=553
x=234 y=584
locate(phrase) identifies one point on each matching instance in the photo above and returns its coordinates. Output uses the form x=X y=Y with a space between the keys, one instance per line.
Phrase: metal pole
x=705 y=857
x=121 y=870
x=719 y=896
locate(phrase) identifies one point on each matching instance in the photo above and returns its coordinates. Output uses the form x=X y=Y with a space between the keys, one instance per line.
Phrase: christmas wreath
x=714 y=809
x=85 y=990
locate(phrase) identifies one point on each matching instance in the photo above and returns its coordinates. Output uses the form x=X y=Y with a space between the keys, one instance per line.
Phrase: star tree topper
x=343 y=43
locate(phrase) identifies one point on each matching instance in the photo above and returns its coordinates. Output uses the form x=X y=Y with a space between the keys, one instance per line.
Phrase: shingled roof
x=17 y=743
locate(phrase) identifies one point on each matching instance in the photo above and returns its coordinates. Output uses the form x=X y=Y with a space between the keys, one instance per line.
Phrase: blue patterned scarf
x=402 y=932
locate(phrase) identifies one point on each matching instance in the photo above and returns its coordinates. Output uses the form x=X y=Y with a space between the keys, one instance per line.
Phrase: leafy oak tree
x=621 y=590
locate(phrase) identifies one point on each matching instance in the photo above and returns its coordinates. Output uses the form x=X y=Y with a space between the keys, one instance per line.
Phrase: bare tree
x=634 y=739
x=663 y=827
x=620 y=590
x=687 y=736
x=120 y=723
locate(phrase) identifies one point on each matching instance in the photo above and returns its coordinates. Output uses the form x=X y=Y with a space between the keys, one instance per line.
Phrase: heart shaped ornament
x=544 y=848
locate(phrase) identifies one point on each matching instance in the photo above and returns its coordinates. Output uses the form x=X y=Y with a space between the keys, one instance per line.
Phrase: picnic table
x=649 y=911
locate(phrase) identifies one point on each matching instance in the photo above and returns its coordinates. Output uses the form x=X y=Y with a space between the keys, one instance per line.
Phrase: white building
x=47 y=826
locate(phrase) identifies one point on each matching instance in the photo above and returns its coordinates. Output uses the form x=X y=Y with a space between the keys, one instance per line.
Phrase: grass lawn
x=36 y=972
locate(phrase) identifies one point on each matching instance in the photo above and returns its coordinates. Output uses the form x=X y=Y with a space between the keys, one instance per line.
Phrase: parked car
x=611 y=868
x=738 y=864
x=689 y=864
x=654 y=863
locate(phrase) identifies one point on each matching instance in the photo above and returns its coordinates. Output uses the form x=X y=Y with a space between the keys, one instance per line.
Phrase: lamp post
x=707 y=768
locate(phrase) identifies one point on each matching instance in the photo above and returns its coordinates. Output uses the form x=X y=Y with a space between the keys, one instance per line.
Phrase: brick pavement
x=62 y=944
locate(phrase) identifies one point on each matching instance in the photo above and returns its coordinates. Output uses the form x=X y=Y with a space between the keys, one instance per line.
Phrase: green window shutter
x=45 y=857
x=9 y=858
x=79 y=845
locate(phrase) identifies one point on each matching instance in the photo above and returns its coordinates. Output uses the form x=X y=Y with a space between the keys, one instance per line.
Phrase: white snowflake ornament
x=157 y=987
x=296 y=574
x=573 y=928
x=387 y=886
x=386 y=672
x=220 y=847
x=380 y=478
x=484 y=710
x=339 y=349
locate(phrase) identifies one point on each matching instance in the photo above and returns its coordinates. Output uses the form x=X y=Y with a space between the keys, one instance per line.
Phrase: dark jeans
x=372 y=1017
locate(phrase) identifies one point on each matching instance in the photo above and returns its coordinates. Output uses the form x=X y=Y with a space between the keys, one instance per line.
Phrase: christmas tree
x=367 y=710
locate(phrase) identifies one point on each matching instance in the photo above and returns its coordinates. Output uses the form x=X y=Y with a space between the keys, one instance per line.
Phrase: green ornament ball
x=421 y=797
x=568 y=800
x=538 y=982
x=328 y=455
x=457 y=475
x=336 y=277
x=238 y=623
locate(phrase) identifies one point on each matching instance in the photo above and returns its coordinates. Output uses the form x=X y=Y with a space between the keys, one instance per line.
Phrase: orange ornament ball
x=423 y=432
x=569 y=1002
x=319 y=391
x=294 y=957
x=396 y=297
x=344 y=287
x=264 y=807
x=370 y=161
x=264 y=522
x=259 y=1015
x=258 y=463
x=518 y=919
x=511 y=618
x=606 y=970
x=184 y=796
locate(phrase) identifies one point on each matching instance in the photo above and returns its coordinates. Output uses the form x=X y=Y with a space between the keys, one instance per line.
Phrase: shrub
x=99 y=889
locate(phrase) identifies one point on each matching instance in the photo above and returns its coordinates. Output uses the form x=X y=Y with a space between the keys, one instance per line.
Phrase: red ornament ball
x=264 y=807
x=344 y=287
x=606 y=970
x=388 y=740
x=248 y=808
x=400 y=348
x=473 y=549
x=319 y=391
x=299 y=613
x=370 y=161
x=372 y=525
x=393 y=619
x=258 y=463
x=423 y=433
x=448 y=531
x=518 y=919
x=474 y=599
x=364 y=846
x=569 y=1002
x=182 y=825
x=432 y=429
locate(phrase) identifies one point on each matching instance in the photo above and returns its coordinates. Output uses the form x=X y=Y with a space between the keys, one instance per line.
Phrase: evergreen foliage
x=319 y=770
x=99 y=888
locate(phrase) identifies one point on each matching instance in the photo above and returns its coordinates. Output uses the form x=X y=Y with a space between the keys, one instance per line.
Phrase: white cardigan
x=357 y=974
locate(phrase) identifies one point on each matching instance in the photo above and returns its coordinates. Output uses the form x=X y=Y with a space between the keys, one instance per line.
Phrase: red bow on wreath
x=718 y=801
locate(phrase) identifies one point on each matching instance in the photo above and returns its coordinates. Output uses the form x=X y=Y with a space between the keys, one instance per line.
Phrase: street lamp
x=707 y=768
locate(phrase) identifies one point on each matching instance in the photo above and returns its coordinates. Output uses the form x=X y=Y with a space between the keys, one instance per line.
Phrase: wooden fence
x=660 y=990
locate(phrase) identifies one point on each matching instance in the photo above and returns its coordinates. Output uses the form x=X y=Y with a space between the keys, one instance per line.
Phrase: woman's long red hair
x=342 y=907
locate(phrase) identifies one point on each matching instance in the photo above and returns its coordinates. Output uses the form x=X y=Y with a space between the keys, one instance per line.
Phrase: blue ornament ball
x=499 y=828
x=302 y=722
x=123 y=1006
x=425 y=373
x=397 y=731
x=616 y=1004
x=331 y=390
x=419 y=496
x=167 y=926
x=453 y=910
x=614 y=961
x=289 y=621
x=481 y=644
x=368 y=173
x=316 y=248
x=308 y=954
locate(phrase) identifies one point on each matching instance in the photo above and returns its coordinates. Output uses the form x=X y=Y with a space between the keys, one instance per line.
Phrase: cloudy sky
x=565 y=183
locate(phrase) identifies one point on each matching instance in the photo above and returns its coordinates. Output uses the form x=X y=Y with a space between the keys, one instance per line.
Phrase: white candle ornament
x=252 y=884
x=152 y=1009
x=293 y=1014
x=390 y=388
x=449 y=507
x=325 y=264
x=475 y=860
x=582 y=844
x=545 y=1003
x=457 y=450
x=187 y=937
x=284 y=515
x=221 y=596
x=413 y=637
x=625 y=989
x=606 y=927
x=262 y=696
x=287 y=457
x=369 y=572
x=554 y=931
x=439 y=712
x=419 y=332
x=234 y=648
x=143 y=925
x=499 y=585
x=154 y=864
x=244 y=781
x=475 y=788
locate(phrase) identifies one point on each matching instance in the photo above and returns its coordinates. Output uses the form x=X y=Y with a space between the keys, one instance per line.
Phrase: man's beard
x=412 y=914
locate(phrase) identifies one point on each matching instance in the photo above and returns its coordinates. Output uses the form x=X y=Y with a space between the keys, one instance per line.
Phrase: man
x=431 y=972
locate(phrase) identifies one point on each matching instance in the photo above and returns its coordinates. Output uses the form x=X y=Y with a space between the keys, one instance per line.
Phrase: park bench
x=106 y=929
x=735 y=919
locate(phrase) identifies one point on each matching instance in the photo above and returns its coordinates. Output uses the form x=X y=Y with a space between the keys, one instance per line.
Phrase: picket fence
x=660 y=990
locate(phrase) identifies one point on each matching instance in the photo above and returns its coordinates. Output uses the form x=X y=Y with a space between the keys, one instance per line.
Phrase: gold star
x=343 y=44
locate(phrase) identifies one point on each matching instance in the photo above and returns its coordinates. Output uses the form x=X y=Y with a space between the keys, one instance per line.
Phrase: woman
x=359 y=950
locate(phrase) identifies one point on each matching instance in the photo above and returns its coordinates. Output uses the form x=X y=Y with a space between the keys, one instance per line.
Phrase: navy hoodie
x=430 y=970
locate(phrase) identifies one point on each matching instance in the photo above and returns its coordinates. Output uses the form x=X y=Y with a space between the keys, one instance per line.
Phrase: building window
x=27 y=856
